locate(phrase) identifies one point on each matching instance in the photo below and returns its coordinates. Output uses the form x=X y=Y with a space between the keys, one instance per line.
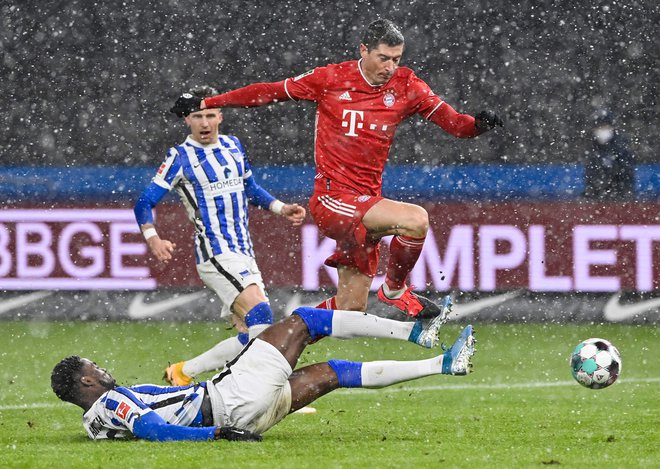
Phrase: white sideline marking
x=439 y=387
x=34 y=405
x=462 y=387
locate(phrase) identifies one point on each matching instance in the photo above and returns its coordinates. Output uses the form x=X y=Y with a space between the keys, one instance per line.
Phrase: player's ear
x=363 y=51
x=86 y=381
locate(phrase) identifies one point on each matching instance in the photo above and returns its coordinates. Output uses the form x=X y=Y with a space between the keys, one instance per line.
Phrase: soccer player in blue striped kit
x=255 y=391
x=213 y=178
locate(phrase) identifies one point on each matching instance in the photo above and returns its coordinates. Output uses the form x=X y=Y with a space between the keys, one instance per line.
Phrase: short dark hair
x=203 y=91
x=382 y=31
x=65 y=378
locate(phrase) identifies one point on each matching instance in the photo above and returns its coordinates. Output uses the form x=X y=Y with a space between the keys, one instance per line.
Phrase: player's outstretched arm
x=151 y=426
x=162 y=249
x=294 y=213
x=262 y=198
x=464 y=125
x=487 y=120
x=235 y=434
x=257 y=94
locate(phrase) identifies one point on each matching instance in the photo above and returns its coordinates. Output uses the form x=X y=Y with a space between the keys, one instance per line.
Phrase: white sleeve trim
x=276 y=206
x=149 y=233
x=434 y=109
x=287 y=91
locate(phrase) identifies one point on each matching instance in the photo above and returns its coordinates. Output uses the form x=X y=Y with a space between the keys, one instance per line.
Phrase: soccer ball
x=595 y=363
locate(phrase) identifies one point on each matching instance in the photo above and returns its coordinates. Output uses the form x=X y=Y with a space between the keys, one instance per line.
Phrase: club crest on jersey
x=364 y=198
x=122 y=410
x=388 y=99
x=302 y=75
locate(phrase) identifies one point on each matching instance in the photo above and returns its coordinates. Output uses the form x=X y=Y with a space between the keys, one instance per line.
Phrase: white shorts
x=228 y=275
x=253 y=392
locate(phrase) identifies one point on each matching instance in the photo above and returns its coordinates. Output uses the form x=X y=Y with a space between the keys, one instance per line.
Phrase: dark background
x=91 y=83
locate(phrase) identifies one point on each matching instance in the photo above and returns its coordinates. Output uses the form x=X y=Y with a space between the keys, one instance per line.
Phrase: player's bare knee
x=287 y=333
x=419 y=221
x=248 y=299
x=298 y=327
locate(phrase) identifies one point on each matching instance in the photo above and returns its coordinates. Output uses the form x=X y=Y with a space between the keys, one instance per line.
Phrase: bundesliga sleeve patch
x=303 y=75
x=123 y=410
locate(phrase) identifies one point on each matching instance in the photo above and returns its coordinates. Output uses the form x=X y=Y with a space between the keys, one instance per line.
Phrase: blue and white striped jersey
x=210 y=181
x=114 y=414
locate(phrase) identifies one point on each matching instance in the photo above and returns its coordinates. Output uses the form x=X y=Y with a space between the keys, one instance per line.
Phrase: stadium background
x=85 y=93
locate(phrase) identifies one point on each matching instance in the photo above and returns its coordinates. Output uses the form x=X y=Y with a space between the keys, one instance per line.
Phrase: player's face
x=204 y=125
x=380 y=63
x=99 y=375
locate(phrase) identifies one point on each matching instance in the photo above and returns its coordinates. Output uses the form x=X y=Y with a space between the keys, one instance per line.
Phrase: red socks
x=404 y=252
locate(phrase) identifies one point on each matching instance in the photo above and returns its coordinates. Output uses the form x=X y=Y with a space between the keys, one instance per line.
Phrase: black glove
x=235 y=434
x=486 y=120
x=185 y=104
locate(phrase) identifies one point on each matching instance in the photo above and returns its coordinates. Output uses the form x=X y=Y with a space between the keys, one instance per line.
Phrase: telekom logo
x=355 y=121
x=352 y=122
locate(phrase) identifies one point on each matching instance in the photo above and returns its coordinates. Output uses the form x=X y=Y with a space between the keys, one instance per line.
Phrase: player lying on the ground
x=253 y=393
x=416 y=332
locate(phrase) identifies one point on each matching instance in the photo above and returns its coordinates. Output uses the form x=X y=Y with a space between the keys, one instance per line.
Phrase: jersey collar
x=195 y=143
x=365 y=78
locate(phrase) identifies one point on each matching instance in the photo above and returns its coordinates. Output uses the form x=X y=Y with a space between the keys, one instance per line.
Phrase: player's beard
x=108 y=383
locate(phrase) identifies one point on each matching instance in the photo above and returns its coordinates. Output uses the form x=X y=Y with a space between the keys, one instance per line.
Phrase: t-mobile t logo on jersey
x=354 y=122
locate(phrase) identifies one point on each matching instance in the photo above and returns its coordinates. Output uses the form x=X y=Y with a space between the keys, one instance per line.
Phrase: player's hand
x=185 y=104
x=235 y=434
x=486 y=120
x=294 y=213
x=162 y=249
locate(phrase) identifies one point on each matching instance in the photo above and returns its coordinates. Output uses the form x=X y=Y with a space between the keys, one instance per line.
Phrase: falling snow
x=90 y=84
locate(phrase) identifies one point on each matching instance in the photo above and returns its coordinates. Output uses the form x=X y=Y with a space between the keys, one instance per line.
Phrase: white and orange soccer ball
x=595 y=363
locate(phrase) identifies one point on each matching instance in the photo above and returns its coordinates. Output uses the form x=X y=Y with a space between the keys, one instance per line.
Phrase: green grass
x=519 y=409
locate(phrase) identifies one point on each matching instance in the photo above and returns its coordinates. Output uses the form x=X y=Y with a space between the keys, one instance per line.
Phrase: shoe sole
x=434 y=326
x=432 y=309
x=443 y=316
x=465 y=339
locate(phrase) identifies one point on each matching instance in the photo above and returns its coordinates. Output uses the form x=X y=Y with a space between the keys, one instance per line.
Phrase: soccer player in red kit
x=360 y=103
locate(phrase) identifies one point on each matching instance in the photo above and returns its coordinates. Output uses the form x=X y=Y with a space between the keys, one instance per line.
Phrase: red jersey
x=355 y=121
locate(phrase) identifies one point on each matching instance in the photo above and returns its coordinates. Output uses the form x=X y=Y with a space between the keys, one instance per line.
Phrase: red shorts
x=339 y=216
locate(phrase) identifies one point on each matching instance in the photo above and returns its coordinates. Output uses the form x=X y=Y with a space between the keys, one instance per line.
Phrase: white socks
x=348 y=324
x=218 y=356
x=257 y=329
x=213 y=359
x=385 y=373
